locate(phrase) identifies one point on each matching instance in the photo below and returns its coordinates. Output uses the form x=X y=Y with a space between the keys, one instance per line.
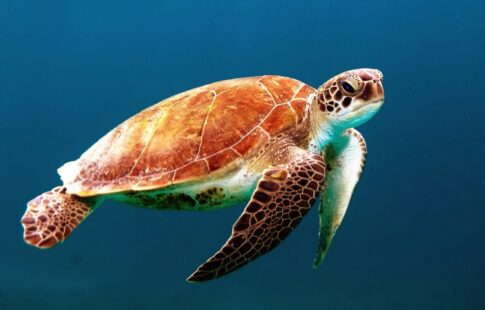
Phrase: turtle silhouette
x=273 y=141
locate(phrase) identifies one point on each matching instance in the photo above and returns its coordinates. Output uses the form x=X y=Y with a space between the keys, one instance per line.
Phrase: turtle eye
x=348 y=88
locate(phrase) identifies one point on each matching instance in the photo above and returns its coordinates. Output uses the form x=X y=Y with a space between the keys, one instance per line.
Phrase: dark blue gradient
x=414 y=234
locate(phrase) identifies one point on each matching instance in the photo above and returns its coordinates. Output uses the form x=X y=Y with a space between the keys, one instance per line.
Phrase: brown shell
x=189 y=136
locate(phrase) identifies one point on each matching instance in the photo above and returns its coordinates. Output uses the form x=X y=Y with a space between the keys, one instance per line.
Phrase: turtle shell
x=189 y=136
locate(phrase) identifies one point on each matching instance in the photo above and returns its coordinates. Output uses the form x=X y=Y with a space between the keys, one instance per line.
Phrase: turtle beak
x=372 y=94
x=373 y=89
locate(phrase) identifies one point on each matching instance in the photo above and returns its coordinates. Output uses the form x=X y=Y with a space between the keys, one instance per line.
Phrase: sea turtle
x=270 y=140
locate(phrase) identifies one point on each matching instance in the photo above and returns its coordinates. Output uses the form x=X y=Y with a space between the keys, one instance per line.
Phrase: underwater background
x=414 y=235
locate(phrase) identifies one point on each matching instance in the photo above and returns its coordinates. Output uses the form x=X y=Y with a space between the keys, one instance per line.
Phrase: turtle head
x=352 y=97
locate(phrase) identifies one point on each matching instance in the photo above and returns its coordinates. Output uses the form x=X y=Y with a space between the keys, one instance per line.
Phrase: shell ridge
x=143 y=179
x=267 y=91
x=157 y=125
x=235 y=143
x=231 y=146
x=297 y=91
x=247 y=134
x=147 y=143
x=243 y=137
x=205 y=123
x=295 y=115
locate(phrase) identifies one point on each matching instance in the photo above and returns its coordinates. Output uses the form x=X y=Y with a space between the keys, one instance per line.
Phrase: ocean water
x=413 y=237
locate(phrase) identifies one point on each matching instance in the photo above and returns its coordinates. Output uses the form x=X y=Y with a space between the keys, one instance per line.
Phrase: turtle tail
x=52 y=216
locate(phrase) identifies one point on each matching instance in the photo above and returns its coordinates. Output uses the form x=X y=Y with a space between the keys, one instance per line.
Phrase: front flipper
x=345 y=159
x=282 y=197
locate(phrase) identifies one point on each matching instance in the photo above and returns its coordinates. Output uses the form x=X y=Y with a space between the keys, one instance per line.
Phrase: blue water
x=413 y=237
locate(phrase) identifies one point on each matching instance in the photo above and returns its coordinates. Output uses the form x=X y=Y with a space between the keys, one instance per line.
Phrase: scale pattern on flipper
x=282 y=197
x=52 y=216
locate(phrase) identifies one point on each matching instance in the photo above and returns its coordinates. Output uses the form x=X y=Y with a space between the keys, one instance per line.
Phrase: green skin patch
x=196 y=196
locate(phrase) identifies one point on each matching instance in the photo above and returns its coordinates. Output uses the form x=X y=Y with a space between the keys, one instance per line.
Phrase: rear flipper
x=52 y=216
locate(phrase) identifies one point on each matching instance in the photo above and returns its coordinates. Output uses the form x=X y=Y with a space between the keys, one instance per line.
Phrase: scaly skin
x=211 y=195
